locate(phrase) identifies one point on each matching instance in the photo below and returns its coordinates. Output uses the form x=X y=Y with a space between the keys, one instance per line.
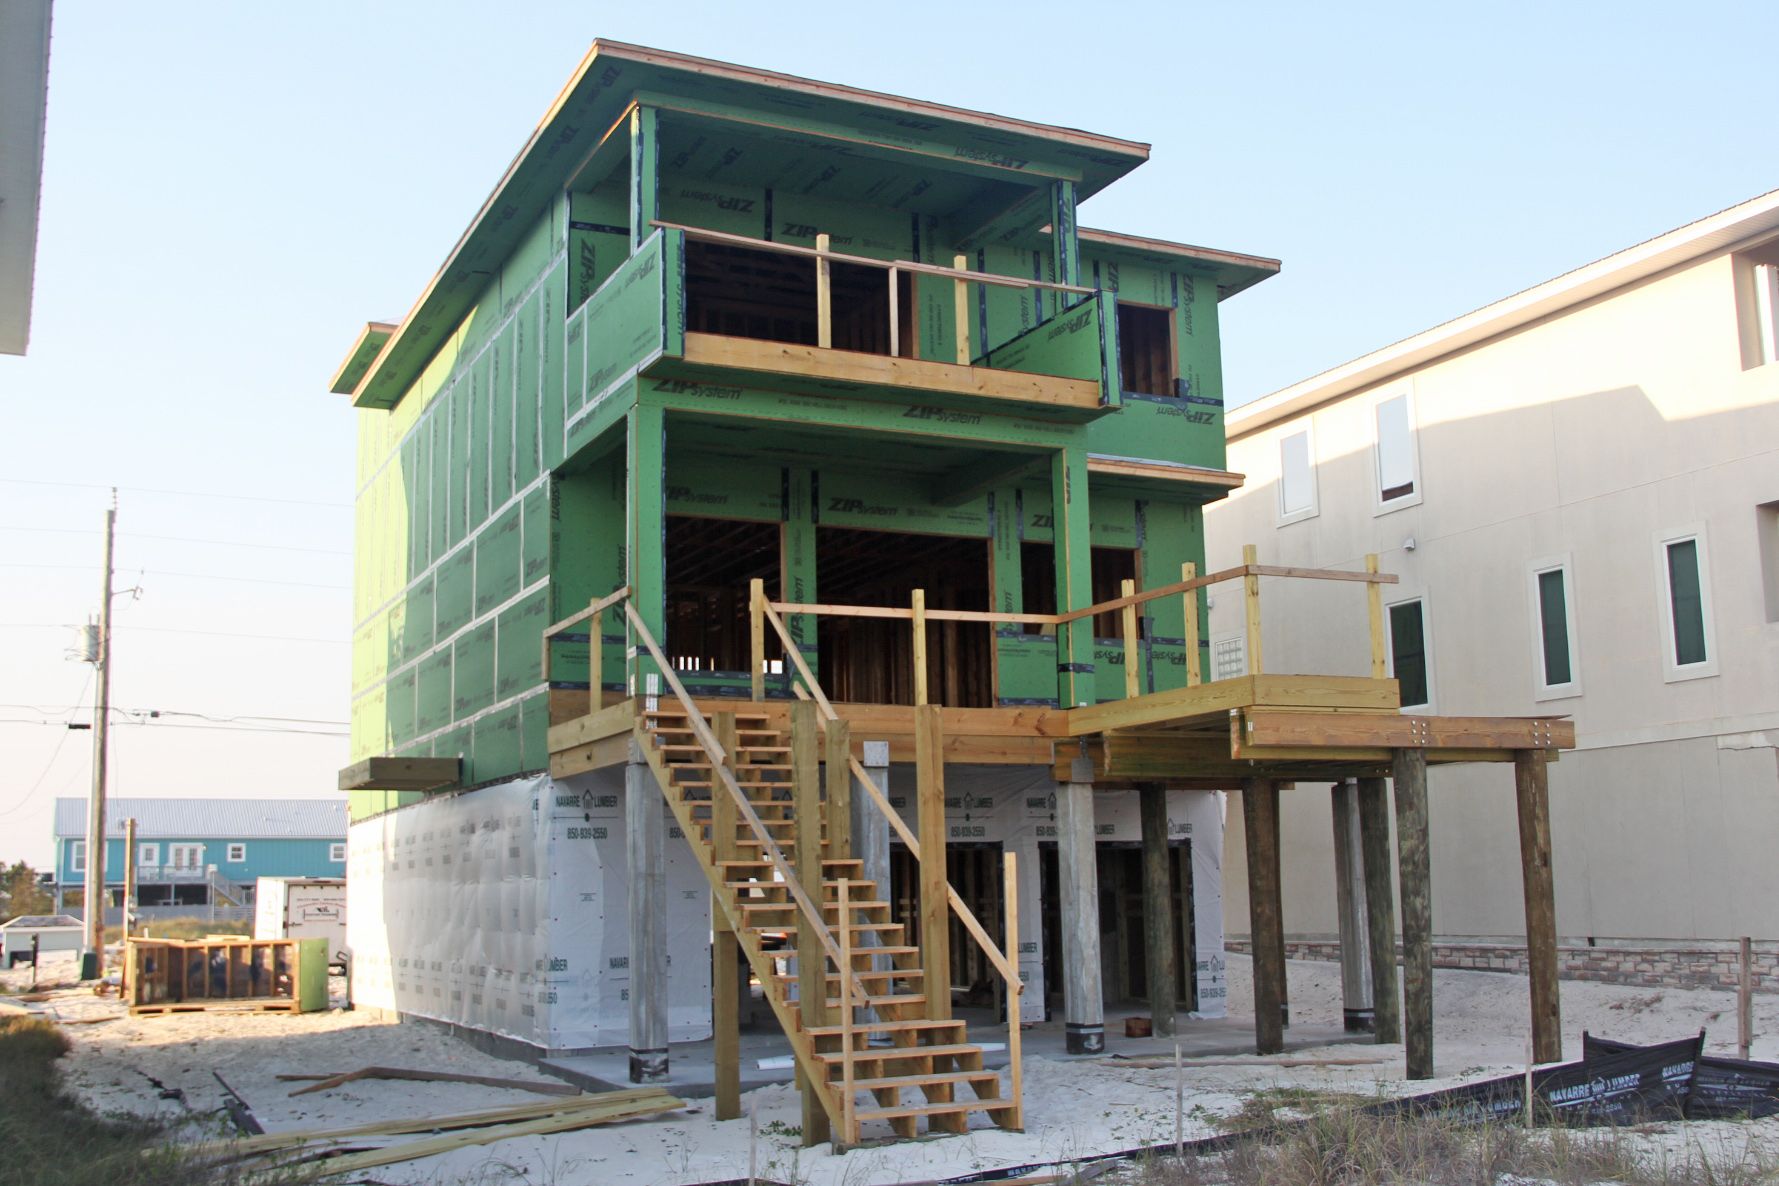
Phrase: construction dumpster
x=227 y=972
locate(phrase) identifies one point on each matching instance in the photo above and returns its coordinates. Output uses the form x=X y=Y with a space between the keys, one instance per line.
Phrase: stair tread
x=934 y=1079
x=951 y=1109
x=890 y=1053
x=916 y=1024
x=876 y=1002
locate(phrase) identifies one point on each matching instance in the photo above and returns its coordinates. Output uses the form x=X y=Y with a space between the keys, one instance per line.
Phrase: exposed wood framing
x=401 y=774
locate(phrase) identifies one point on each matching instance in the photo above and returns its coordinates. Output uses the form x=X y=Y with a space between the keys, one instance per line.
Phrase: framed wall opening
x=709 y=564
x=871 y=660
x=744 y=292
x=1146 y=349
x=1123 y=953
x=974 y=870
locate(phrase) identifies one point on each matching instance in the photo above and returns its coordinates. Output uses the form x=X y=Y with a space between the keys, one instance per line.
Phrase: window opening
x=1408 y=651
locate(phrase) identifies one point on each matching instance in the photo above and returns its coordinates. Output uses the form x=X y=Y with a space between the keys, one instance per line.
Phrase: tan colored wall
x=1583 y=435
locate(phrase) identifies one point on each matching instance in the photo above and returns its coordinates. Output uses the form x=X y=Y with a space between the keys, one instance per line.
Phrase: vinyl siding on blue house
x=280 y=857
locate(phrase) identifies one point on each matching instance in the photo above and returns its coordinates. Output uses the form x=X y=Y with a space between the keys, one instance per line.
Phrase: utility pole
x=92 y=957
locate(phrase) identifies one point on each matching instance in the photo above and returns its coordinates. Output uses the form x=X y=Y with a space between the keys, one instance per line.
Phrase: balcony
x=705 y=306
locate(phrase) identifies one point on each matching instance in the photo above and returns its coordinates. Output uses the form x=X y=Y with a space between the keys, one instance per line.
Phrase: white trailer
x=302 y=908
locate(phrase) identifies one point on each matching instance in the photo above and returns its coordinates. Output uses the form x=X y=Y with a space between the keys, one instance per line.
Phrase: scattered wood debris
x=336 y=1079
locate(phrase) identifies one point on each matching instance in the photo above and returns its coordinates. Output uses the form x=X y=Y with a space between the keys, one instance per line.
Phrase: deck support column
x=1349 y=887
x=1159 y=930
x=645 y=540
x=935 y=904
x=1084 y=1011
x=1409 y=772
x=1532 y=791
x=1380 y=909
x=1266 y=923
x=871 y=845
x=645 y=844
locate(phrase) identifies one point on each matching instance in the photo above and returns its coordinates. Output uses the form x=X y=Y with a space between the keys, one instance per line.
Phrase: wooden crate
x=180 y=975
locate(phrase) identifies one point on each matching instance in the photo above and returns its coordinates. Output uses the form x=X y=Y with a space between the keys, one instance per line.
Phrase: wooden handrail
x=575 y=619
x=723 y=773
x=900 y=265
x=959 y=907
x=596 y=650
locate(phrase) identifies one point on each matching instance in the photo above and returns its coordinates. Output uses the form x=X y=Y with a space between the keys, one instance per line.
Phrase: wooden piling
x=1158 y=910
x=1260 y=814
x=725 y=982
x=1409 y=772
x=1532 y=794
x=1380 y=909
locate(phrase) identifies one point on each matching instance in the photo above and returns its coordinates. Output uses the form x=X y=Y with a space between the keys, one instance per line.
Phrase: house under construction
x=779 y=534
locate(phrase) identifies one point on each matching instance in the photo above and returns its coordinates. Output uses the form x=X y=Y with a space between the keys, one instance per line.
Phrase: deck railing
x=1249 y=572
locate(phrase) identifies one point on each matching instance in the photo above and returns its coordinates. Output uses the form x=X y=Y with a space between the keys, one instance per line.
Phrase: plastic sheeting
x=505 y=910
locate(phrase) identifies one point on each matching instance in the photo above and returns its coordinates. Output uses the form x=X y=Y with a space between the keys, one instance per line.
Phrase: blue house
x=197 y=855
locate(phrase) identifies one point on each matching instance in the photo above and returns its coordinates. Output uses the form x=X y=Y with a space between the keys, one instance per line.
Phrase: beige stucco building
x=1579 y=487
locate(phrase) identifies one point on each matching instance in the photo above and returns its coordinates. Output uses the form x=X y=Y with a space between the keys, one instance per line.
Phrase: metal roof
x=1708 y=236
x=212 y=819
x=41 y=922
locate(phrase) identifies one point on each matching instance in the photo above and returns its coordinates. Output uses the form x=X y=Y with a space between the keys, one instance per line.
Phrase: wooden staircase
x=927 y=1066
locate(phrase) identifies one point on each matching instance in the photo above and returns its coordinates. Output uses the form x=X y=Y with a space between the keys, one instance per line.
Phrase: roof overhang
x=24 y=99
x=1739 y=226
x=601 y=90
x=364 y=352
x=1233 y=270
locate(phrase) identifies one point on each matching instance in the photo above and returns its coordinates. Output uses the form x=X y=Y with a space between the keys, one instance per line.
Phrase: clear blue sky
x=230 y=190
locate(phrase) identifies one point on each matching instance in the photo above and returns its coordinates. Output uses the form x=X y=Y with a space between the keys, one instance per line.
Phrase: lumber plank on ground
x=336 y=1080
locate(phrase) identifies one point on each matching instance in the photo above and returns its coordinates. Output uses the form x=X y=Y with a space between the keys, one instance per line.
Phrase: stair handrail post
x=918 y=605
x=1188 y=574
x=1015 y=988
x=849 y=1125
x=595 y=658
x=1374 y=602
x=756 y=603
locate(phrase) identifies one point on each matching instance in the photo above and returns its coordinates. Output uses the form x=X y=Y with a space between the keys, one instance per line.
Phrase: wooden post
x=1374 y=600
x=824 y=296
x=837 y=776
x=1349 y=896
x=1251 y=597
x=1127 y=618
x=725 y=981
x=1260 y=814
x=1158 y=910
x=1745 y=998
x=1015 y=1121
x=129 y=905
x=756 y=608
x=1084 y=1011
x=645 y=842
x=1409 y=773
x=1189 y=572
x=870 y=830
x=935 y=905
x=595 y=663
x=1380 y=909
x=812 y=963
x=895 y=314
x=1532 y=793
x=919 y=607
x=961 y=297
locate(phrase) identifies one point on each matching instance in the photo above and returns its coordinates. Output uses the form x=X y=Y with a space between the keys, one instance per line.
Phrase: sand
x=1073 y=1107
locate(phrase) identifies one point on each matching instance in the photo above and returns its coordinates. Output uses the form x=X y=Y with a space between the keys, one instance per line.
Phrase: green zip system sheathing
x=531 y=430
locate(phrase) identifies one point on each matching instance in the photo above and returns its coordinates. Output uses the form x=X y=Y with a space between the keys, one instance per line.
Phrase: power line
x=52 y=710
x=55 y=753
x=197 y=576
x=181 y=539
x=300 y=502
x=177 y=630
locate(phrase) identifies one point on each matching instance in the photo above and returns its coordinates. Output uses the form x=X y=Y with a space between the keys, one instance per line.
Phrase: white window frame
x=1766 y=311
x=77 y=856
x=196 y=851
x=1673 y=672
x=1565 y=564
x=1381 y=505
x=336 y=852
x=1306 y=430
x=1426 y=646
x=235 y=853
x=148 y=855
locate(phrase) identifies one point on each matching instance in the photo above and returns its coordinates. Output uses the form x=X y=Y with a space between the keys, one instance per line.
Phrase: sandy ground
x=1073 y=1107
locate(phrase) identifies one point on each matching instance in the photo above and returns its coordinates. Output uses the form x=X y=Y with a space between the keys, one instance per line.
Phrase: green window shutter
x=1408 y=651
x=1686 y=603
x=1553 y=620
